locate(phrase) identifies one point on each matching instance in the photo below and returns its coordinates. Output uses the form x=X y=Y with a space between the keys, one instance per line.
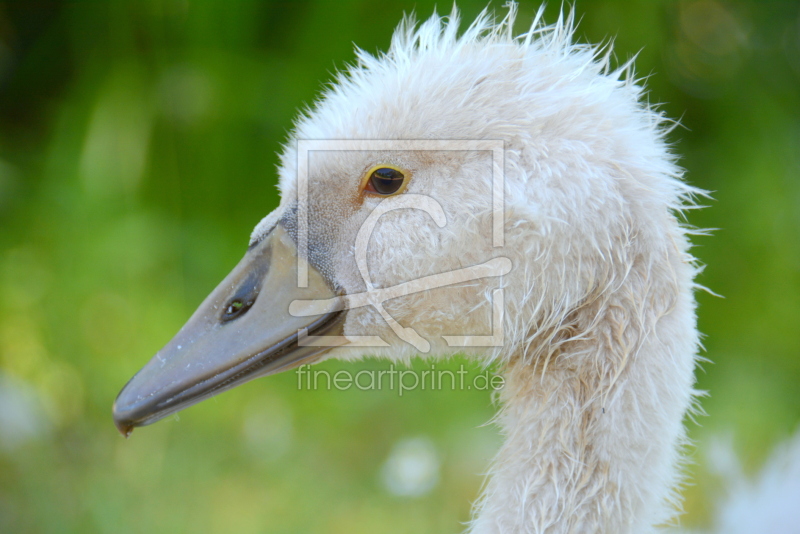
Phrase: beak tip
x=125 y=430
x=124 y=427
x=124 y=424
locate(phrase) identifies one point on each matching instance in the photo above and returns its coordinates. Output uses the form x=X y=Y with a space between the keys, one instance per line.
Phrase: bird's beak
x=242 y=331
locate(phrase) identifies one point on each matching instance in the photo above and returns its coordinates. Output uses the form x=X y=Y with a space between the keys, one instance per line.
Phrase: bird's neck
x=593 y=425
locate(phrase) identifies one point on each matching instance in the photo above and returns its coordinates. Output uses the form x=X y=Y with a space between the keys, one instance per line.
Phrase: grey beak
x=243 y=330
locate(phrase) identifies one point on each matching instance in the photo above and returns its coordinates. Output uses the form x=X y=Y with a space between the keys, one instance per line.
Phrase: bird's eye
x=385 y=181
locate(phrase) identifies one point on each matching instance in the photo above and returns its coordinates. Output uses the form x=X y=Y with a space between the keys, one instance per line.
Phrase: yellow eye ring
x=385 y=180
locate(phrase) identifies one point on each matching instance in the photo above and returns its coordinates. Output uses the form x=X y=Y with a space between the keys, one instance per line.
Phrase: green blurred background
x=137 y=151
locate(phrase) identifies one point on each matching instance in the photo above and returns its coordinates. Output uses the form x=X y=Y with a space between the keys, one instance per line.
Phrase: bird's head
x=427 y=186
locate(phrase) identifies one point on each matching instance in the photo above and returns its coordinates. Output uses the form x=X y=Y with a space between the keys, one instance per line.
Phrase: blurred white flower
x=21 y=416
x=412 y=468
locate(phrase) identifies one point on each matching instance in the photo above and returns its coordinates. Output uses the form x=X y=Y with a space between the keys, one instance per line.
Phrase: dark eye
x=385 y=181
